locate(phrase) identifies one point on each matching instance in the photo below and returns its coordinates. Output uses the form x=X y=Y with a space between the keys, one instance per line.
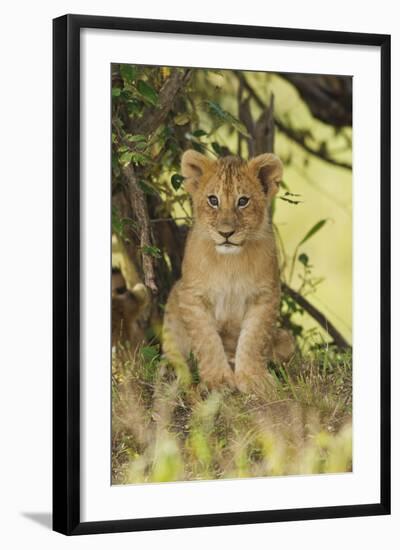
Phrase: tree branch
x=292 y=134
x=328 y=97
x=139 y=207
x=153 y=117
x=338 y=339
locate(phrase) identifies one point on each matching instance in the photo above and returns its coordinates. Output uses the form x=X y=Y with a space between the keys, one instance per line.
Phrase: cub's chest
x=230 y=302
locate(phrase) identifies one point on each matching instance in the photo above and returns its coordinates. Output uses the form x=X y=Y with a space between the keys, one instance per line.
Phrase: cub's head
x=130 y=302
x=231 y=197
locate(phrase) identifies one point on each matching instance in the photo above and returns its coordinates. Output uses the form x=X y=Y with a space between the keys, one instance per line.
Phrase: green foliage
x=221 y=116
x=217 y=148
x=286 y=196
x=147 y=91
x=119 y=224
x=152 y=251
x=128 y=73
x=315 y=228
x=303 y=259
x=136 y=139
x=176 y=181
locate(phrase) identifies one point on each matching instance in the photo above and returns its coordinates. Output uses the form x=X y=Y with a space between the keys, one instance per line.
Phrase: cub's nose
x=226 y=234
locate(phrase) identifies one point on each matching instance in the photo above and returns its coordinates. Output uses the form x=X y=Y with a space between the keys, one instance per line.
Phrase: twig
x=338 y=339
x=290 y=132
x=139 y=207
x=293 y=135
x=153 y=117
x=159 y=220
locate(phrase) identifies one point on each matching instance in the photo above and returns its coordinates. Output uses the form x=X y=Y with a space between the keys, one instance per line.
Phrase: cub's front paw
x=284 y=345
x=217 y=377
x=258 y=381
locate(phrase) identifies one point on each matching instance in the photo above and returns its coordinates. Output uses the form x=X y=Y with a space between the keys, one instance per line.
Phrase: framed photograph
x=221 y=274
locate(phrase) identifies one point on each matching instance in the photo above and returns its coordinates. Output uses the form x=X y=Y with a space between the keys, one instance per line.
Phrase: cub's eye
x=243 y=201
x=213 y=201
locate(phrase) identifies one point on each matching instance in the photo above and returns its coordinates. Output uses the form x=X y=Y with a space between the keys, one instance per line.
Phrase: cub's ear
x=140 y=292
x=268 y=168
x=193 y=166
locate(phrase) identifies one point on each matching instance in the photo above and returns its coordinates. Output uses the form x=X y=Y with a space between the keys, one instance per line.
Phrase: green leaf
x=288 y=194
x=128 y=73
x=198 y=146
x=134 y=107
x=151 y=251
x=315 y=228
x=224 y=116
x=181 y=119
x=199 y=133
x=140 y=159
x=216 y=109
x=217 y=147
x=136 y=138
x=239 y=126
x=303 y=259
x=141 y=145
x=125 y=158
x=147 y=91
x=116 y=92
x=289 y=200
x=176 y=181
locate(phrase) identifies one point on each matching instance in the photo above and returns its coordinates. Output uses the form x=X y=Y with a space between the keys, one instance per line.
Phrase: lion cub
x=127 y=306
x=224 y=308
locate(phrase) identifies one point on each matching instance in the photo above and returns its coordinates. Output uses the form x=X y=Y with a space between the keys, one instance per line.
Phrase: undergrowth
x=164 y=431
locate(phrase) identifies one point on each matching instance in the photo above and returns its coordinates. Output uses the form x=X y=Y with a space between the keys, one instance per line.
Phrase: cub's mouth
x=228 y=247
x=228 y=243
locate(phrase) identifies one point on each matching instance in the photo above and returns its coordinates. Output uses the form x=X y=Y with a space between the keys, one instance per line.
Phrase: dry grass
x=164 y=431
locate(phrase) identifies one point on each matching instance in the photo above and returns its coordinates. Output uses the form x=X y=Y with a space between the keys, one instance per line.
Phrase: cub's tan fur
x=224 y=308
x=127 y=306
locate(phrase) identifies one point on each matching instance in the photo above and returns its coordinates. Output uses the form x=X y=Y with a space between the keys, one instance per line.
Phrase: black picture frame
x=66 y=273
